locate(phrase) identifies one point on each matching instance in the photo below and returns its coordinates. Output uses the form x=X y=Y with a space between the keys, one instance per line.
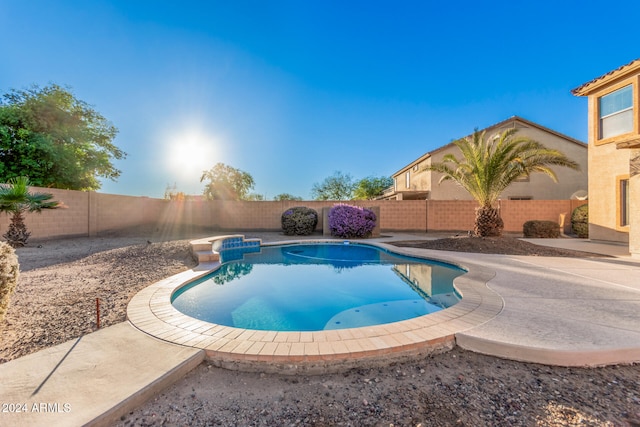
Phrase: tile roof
x=583 y=89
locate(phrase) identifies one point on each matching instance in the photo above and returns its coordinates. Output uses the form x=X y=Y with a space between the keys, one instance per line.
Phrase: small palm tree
x=489 y=165
x=15 y=200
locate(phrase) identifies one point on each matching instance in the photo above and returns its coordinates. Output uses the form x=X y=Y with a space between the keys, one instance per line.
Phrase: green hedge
x=580 y=221
x=541 y=229
x=299 y=221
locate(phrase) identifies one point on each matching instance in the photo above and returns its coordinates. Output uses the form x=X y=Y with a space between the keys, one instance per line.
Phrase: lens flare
x=189 y=153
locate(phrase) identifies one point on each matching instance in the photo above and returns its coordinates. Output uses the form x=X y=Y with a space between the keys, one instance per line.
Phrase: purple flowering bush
x=348 y=221
x=300 y=221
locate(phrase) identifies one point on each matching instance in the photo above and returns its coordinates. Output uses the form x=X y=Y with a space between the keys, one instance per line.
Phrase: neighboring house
x=413 y=182
x=614 y=155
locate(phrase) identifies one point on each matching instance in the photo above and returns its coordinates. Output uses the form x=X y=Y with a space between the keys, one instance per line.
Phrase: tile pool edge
x=151 y=311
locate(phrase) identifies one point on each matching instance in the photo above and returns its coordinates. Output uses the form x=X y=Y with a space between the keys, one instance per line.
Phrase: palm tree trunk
x=488 y=222
x=17 y=234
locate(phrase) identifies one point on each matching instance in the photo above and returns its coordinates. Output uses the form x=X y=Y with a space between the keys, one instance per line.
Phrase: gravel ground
x=457 y=388
x=55 y=302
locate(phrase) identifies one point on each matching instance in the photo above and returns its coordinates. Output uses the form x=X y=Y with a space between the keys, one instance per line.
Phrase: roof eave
x=535 y=125
x=420 y=159
x=597 y=83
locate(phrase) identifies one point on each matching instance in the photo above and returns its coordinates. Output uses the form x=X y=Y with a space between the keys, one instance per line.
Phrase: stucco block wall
x=253 y=215
x=236 y=215
x=91 y=214
x=394 y=215
x=71 y=220
x=516 y=212
x=445 y=215
x=116 y=212
x=94 y=214
x=407 y=215
x=459 y=215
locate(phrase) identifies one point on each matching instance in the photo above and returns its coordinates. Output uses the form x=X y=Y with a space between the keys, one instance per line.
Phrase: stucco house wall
x=614 y=157
x=425 y=184
x=412 y=180
x=609 y=165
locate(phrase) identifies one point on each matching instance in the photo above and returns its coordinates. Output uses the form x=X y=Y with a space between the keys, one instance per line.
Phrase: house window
x=408 y=180
x=520 y=198
x=624 y=202
x=616 y=112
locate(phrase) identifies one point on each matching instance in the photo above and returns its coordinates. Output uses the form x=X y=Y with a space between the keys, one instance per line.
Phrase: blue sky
x=291 y=91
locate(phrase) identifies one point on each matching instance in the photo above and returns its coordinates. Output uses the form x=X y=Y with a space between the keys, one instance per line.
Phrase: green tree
x=226 y=183
x=286 y=196
x=254 y=197
x=172 y=193
x=15 y=200
x=490 y=164
x=55 y=139
x=338 y=186
x=371 y=187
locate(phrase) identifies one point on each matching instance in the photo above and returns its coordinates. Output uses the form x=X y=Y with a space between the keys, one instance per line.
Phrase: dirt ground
x=492 y=245
x=56 y=301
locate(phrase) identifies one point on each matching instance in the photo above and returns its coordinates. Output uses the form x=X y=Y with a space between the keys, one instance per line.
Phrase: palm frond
x=15 y=197
x=489 y=164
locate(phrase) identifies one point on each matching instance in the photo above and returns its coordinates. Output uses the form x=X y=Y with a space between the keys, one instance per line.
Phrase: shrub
x=544 y=229
x=300 y=221
x=9 y=270
x=580 y=221
x=351 y=221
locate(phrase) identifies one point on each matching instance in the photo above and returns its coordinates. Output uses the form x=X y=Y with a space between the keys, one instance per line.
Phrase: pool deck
x=559 y=311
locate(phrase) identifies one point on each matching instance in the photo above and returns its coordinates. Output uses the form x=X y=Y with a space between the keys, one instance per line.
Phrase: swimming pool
x=315 y=287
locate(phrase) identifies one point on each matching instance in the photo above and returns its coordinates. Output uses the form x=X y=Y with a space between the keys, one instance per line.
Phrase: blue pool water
x=314 y=287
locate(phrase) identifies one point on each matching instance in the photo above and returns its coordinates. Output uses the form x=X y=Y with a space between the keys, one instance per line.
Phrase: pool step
x=209 y=248
x=206 y=256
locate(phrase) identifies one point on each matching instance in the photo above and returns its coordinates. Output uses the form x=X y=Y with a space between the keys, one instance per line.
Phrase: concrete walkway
x=559 y=311
x=556 y=310
x=92 y=380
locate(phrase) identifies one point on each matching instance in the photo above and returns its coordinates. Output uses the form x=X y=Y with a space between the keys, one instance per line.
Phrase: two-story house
x=413 y=182
x=614 y=155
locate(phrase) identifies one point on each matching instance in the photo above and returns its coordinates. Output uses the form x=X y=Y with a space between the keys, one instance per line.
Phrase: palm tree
x=15 y=200
x=489 y=165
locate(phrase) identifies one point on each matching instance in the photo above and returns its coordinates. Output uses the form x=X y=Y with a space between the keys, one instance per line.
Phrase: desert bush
x=544 y=229
x=9 y=270
x=580 y=221
x=347 y=221
x=299 y=221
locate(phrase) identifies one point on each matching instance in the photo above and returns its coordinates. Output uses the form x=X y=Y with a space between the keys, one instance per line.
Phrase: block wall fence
x=96 y=214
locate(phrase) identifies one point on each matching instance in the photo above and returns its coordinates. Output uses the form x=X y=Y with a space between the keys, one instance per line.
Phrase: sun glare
x=190 y=153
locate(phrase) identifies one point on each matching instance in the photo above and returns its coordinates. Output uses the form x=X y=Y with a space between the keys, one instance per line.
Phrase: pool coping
x=151 y=312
